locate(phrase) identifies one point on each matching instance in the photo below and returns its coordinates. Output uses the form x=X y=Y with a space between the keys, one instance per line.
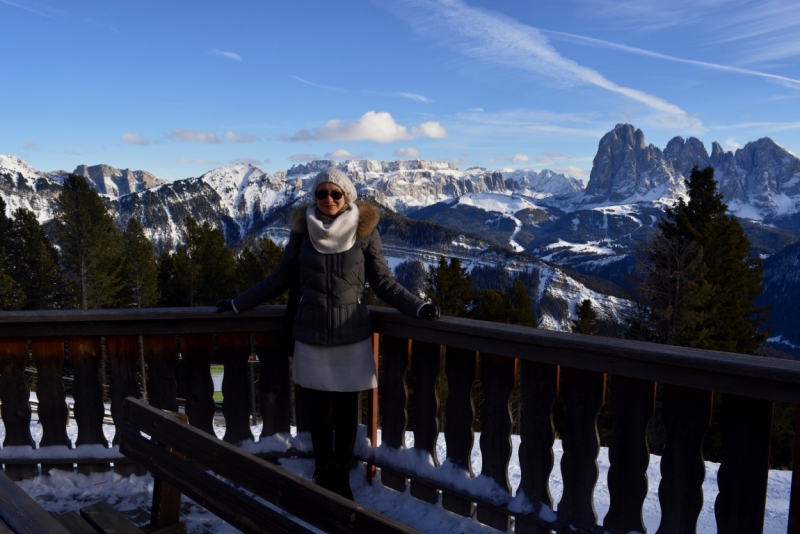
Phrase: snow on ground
x=507 y=204
x=590 y=247
x=62 y=492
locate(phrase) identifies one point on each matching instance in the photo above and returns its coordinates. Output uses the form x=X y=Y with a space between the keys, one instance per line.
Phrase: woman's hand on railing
x=224 y=306
x=430 y=311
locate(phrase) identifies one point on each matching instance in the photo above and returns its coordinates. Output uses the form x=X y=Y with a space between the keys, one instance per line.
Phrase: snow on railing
x=538 y=364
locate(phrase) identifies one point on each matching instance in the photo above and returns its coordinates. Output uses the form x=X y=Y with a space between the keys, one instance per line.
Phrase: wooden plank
x=74 y=523
x=539 y=388
x=584 y=394
x=86 y=357
x=297 y=496
x=497 y=376
x=21 y=513
x=48 y=357
x=123 y=355
x=396 y=356
x=177 y=528
x=425 y=358
x=275 y=398
x=461 y=367
x=105 y=519
x=160 y=356
x=743 y=473
x=234 y=347
x=15 y=399
x=632 y=404
x=687 y=416
x=197 y=351
x=166 y=504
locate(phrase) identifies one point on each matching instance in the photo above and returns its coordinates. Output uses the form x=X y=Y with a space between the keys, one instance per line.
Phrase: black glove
x=430 y=311
x=224 y=306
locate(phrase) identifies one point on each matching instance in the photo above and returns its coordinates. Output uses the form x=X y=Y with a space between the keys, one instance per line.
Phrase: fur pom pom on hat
x=335 y=176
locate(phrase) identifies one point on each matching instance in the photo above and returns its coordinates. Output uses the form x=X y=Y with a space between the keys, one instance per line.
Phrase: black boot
x=341 y=480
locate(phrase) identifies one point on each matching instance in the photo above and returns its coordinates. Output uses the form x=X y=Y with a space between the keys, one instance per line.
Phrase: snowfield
x=62 y=491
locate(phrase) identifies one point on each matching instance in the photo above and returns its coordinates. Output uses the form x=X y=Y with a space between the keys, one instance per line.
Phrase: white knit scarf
x=338 y=236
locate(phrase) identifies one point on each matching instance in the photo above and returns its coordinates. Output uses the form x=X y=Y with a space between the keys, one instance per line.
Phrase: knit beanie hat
x=335 y=176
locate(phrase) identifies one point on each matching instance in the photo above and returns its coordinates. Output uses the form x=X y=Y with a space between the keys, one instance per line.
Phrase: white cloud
x=227 y=55
x=476 y=110
x=248 y=161
x=135 y=139
x=195 y=136
x=379 y=127
x=572 y=171
x=408 y=152
x=341 y=155
x=498 y=40
x=551 y=158
x=198 y=161
x=239 y=138
x=519 y=158
x=418 y=98
x=732 y=143
x=303 y=158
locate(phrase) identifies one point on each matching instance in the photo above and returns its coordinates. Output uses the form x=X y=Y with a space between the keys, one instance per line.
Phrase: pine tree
x=450 y=286
x=173 y=279
x=212 y=269
x=141 y=273
x=587 y=322
x=253 y=265
x=514 y=306
x=11 y=296
x=411 y=275
x=91 y=247
x=33 y=262
x=520 y=305
x=728 y=318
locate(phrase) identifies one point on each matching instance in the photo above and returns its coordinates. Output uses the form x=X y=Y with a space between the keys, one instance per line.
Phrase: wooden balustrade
x=541 y=364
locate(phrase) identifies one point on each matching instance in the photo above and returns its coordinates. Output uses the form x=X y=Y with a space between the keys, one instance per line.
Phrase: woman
x=335 y=248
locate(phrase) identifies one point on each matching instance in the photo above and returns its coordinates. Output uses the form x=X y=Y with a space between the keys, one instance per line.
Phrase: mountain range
x=591 y=228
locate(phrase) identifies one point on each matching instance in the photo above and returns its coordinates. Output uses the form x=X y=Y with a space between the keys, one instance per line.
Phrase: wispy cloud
x=303 y=158
x=572 y=171
x=519 y=158
x=732 y=143
x=580 y=39
x=30 y=145
x=230 y=135
x=24 y=7
x=379 y=127
x=195 y=136
x=103 y=25
x=342 y=155
x=227 y=55
x=135 y=139
x=499 y=40
x=408 y=152
x=418 y=98
x=531 y=121
x=764 y=126
x=248 y=161
x=317 y=85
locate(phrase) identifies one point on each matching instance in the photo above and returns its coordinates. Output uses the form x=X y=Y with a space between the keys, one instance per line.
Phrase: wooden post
x=584 y=395
x=85 y=355
x=166 y=509
x=539 y=388
x=372 y=408
x=274 y=386
x=632 y=404
x=687 y=416
x=498 y=374
x=235 y=350
x=426 y=358
x=161 y=354
x=16 y=407
x=396 y=356
x=123 y=354
x=461 y=368
x=197 y=350
x=48 y=356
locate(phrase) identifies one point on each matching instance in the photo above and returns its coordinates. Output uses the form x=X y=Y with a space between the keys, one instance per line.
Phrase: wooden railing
x=542 y=364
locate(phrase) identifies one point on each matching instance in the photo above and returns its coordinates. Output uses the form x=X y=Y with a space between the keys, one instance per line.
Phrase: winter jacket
x=332 y=310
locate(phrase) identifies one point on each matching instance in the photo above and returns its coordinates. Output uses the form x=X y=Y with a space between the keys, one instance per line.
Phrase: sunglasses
x=322 y=195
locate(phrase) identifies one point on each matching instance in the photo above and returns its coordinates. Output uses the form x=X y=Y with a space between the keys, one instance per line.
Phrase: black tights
x=334 y=425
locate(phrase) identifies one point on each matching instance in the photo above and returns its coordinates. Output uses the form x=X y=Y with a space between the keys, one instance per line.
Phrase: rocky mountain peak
x=110 y=181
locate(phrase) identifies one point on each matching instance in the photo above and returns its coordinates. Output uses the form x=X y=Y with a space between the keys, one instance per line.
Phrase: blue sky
x=180 y=87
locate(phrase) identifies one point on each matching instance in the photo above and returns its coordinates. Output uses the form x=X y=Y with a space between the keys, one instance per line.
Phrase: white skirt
x=336 y=367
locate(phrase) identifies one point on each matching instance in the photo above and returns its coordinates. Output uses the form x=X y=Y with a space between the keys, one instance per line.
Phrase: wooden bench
x=181 y=456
